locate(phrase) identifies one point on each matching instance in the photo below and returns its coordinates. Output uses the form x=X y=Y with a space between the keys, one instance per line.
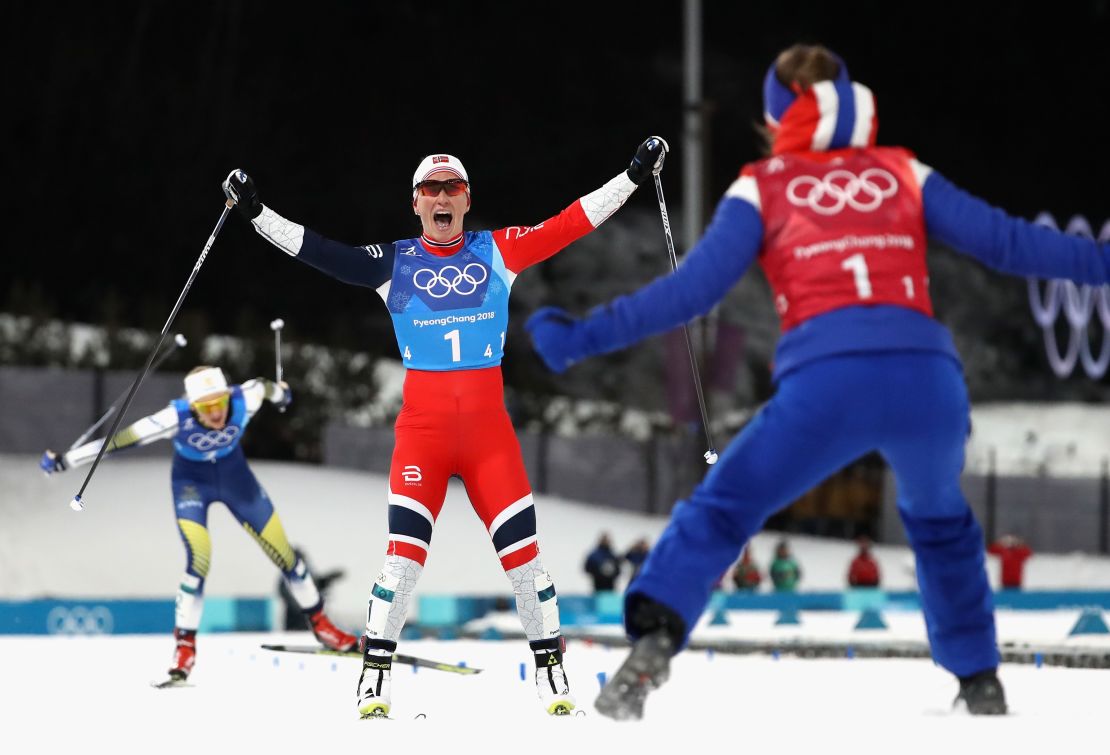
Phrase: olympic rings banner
x=1078 y=304
x=130 y=616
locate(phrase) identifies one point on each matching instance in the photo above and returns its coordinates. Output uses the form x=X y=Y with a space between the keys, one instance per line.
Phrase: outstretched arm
x=162 y=424
x=524 y=246
x=1005 y=243
x=709 y=270
x=370 y=265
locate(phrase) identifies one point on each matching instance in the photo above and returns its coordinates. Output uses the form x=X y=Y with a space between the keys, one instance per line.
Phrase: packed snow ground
x=60 y=694
x=86 y=694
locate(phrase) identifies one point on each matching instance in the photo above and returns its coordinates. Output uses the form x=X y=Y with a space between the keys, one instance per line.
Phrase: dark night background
x=122 y=119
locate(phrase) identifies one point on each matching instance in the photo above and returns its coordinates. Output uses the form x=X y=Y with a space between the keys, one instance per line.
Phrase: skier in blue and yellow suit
x=207 y=426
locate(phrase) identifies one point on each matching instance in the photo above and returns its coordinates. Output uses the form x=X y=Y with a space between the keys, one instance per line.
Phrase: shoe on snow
x=982 y=694
x=647 y=667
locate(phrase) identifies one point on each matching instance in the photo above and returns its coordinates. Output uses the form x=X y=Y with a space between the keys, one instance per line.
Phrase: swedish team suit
x=839 y=227
x=209 y=467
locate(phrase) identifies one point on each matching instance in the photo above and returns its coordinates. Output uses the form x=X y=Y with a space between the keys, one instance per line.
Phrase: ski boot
x=648 y=666
x=982 y=694
x=374 y=682
x=551 y=677
x=184 y=654
x=329 y=635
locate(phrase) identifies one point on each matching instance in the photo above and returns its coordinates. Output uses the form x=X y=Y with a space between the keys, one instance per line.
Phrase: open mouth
x=442 y=220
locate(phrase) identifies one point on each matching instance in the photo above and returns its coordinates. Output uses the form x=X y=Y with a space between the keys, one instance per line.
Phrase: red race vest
x=842 y=228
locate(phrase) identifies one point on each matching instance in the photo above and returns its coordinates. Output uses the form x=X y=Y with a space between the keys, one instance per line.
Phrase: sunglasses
x=212 y=404
x=453 y=187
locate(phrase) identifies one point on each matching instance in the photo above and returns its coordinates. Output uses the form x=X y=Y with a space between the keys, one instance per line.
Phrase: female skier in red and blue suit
x=448 y=292
x=839 y=227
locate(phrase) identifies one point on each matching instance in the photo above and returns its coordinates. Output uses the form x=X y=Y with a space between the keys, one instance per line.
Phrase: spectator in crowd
x=1013 y=552
x=864 y=569
x=636 y=556
x=746 y=575
x=602 y=565
x=785 y=571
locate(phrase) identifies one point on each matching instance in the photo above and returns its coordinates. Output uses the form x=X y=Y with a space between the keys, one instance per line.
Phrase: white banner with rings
x=79 y=620
x=1078 y=305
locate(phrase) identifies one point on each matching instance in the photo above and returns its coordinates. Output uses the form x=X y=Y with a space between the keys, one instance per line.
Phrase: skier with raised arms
x=447 y=292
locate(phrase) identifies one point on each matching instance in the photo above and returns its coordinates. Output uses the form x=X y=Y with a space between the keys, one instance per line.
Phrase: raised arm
x=261 y=389
x=1005 y=243
x=370 y=265
x=524 y=246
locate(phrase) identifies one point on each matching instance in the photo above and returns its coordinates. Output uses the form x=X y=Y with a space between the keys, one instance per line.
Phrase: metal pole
x=992 y=498
x=710 y=455
x=693 y=133
x=77 y=504
x=1104 y=508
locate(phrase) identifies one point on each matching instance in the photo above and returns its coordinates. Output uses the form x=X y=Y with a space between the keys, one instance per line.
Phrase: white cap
x=435 y=163
x=208 y=382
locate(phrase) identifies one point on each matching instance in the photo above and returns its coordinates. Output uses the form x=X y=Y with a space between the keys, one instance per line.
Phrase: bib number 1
x=452 y=336
x=456 y=350
x=857 y=265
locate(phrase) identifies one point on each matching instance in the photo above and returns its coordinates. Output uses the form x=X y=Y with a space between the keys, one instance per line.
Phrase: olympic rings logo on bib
x=841 y=188
x=213 y=438
x=440 y=284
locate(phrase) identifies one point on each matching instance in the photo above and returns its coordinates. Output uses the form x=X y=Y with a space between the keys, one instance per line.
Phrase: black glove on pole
x=240 y=189
x=648 y=159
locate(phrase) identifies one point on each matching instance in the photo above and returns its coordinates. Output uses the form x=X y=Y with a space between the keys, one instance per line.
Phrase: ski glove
x=558 y=338
x=240 y=189
x=648 y=159
x=52 y=462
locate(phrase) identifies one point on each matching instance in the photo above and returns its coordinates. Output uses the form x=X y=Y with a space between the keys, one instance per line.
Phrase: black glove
x=648 y=159
x=239 y=188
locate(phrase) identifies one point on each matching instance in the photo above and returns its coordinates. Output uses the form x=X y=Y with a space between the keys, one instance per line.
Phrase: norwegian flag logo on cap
x=440 y=159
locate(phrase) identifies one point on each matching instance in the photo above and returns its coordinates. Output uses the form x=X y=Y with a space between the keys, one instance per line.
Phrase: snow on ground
x=61 y=694
x=85 y=693
x=125 y=544
x=1064 y=439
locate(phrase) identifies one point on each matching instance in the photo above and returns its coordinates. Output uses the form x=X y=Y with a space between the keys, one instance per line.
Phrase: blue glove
x=52 y=462
x=558 y=338
x=286 y=397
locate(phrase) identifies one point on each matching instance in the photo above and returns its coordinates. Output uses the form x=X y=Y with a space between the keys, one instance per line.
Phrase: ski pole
x=276 y=326
x=77 y=504
x=710 y=455
x=178 y=342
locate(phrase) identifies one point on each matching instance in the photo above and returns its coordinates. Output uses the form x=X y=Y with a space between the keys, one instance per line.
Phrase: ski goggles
x=453 y=187
x=212 y=404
